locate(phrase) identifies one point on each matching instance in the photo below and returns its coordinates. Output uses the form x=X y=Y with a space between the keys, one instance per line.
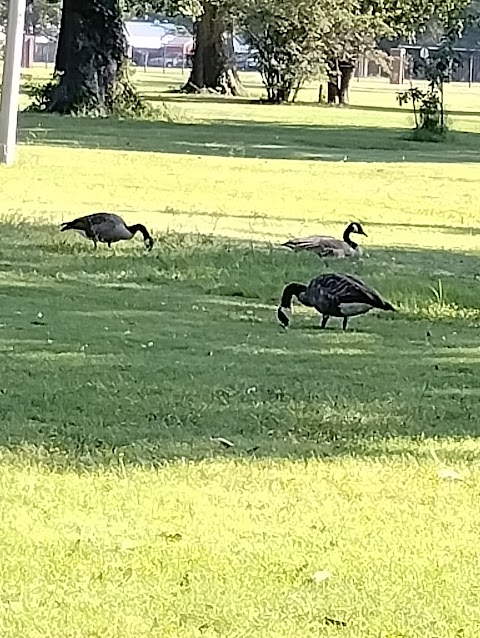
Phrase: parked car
x=157 y=59
x=247 y=61
x=171 y=61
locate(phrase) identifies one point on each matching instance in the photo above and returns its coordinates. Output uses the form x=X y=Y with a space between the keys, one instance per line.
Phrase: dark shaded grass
x=238 y=138
x=150 y=355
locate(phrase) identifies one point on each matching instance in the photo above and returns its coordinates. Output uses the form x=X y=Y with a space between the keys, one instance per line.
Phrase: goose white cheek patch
x=285 y=320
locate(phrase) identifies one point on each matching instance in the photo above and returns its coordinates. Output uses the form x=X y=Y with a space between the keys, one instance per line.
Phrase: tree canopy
x=408 y=17
x=40 y=16
x=296 y=39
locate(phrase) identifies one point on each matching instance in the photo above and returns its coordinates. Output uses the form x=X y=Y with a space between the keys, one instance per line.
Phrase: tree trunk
x=339 y=75
x=346 y=73
x=213 y=65
x=332 y=90
x=332 y=85
x=64 y=37
x=90 y=60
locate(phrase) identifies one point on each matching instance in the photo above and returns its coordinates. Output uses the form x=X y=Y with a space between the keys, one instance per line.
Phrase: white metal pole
x=11 y=80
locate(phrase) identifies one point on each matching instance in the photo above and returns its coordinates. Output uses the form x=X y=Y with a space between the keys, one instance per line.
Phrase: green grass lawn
x=121 y=517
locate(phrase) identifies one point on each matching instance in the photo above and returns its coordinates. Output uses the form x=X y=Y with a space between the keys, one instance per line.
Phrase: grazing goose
x=330 y=246
x=107 y=228
x=332 y=295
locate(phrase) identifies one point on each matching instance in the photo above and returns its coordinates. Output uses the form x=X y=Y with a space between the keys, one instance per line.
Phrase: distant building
x=158 y=43
x=45 y=49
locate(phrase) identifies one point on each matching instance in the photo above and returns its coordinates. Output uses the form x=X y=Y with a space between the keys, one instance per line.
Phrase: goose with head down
x=325 y=246
x=107 y=228
x=332 y=295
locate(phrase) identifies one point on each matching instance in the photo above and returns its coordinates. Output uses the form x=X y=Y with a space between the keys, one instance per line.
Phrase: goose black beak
x=149 y=243
x=363 y=233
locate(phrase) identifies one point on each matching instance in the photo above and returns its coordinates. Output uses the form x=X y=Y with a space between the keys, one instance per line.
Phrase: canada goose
x=332 y=295
x=107 y=228
x=330 y=246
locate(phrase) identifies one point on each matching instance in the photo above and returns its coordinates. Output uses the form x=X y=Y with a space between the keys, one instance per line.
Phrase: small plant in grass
x=428 y=112
x=429 y=105
x=439 y=293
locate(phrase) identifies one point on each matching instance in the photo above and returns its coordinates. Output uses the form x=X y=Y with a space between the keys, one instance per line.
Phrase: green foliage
x=124 y=103
x=428 y=109
x=296 y=39
x=408 y=17
x=286 y=35
x=141 y=8
x=40 y=94
x=353 y=31
x=428 y=105
x=41 y=15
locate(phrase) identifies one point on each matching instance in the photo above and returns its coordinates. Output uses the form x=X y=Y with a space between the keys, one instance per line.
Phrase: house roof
x=141 y=34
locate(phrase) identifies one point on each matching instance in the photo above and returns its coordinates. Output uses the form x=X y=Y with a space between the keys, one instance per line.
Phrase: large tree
x=90 y=68
x=296 y=39
x=213 y=62
x=396 y=18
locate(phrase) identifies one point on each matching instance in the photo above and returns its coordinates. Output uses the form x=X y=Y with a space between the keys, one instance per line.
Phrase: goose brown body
x=333 y=295
x=107 y=228
x=325 y=246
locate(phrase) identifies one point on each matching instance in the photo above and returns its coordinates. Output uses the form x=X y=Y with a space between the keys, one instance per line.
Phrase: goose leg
x=344 y=324
x=325 y=319
x=94 y=239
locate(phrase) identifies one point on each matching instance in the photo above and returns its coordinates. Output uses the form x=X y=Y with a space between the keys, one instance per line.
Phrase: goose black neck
x=347 y=239
x=290 y=291
x=140 y=228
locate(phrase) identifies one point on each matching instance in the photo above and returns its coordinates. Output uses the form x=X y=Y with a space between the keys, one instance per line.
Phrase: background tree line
x=295 y=40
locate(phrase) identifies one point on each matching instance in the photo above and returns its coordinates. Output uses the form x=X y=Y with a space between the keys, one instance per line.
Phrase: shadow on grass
x=398 y=109
x=173 y=96
x=442 y=228
x=153 y=355
x=236 y=138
